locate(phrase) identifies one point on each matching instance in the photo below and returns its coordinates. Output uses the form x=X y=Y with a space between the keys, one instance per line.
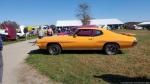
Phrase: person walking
x=1 y=60
x=41 y=33
x=49 y=31
x=26 y=33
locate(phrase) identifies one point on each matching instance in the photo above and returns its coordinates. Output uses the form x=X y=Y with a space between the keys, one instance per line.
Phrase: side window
x=97 y=33
x=84 y=32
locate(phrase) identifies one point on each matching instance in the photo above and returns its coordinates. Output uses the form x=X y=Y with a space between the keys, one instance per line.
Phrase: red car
x=9 y=31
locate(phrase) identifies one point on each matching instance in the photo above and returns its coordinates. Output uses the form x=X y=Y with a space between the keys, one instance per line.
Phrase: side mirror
x=74 y=35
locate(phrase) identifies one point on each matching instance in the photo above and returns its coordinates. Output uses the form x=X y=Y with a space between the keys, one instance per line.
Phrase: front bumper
x=134 y=43
x=41 y=45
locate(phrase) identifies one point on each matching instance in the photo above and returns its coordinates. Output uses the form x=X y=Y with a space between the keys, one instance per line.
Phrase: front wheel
x=111 y=49
x=54 y=49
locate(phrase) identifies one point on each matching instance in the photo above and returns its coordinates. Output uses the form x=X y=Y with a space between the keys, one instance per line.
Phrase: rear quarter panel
x=123 y=40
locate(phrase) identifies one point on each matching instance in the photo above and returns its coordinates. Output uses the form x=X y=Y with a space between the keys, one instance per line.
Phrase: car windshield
x=73 y=31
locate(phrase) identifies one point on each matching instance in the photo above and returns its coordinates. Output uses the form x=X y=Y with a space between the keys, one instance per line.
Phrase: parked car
x=137 y=27
x=88 y=39
x=3 y=34
x=20 y=32
x=8 y=31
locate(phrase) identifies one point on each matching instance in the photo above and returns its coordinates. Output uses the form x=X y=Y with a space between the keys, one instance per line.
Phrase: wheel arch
x=50 y=43
x=111 y=43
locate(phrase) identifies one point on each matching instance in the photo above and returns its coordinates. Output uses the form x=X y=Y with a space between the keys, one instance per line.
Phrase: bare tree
x=84 y=13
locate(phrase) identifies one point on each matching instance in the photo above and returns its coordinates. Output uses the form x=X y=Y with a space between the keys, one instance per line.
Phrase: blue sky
x=38 y=12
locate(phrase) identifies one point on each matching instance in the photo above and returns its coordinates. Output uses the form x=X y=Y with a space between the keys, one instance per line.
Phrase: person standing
x=49 y=31
x=25 y=32
x=41 y=33
x=1 y=60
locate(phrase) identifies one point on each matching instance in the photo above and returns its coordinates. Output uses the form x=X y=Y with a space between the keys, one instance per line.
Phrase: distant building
x=112 y=23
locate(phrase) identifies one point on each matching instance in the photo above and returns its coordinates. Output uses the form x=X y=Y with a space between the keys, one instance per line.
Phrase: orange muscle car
x=88 y=39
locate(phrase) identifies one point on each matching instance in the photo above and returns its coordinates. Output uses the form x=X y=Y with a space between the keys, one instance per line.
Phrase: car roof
x=97 y=28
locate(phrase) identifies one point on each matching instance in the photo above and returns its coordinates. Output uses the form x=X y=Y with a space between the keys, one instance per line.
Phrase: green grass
x=19 y=40
x=92 y=67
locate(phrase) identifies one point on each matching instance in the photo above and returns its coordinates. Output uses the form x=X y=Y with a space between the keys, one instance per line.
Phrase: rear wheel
x=111 y=49
x=54 y=49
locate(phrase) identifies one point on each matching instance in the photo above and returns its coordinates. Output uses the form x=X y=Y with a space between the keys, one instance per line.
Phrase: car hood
x=54 y=38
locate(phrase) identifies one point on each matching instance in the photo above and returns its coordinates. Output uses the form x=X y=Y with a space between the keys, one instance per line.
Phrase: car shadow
x=82 y=52
x=119 y=79
x=39 y=51
x=45 y=52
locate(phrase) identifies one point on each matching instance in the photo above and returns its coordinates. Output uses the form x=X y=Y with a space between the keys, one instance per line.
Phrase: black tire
x=54 y=49
x=111 y=48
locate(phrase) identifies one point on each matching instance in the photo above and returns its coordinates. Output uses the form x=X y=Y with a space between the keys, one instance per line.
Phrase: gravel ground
x=15 y=69
x=30 y=76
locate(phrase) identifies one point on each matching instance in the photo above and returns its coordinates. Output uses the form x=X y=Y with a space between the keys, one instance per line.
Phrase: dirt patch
x=28 y=75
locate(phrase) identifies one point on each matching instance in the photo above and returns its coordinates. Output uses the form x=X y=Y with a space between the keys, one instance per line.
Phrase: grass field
x=19 y=40
x=94 y=67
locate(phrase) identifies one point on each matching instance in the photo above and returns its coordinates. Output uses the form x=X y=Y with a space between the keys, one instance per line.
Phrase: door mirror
x=74 y=35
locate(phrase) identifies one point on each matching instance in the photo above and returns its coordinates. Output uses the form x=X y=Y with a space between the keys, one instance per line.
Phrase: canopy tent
x=68 y=23
x=145 y=23
x=105 y=22
x=61 y=23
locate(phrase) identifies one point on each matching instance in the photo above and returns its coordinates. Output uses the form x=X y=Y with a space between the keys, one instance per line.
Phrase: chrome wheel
x=54 y=49
x=111 y=48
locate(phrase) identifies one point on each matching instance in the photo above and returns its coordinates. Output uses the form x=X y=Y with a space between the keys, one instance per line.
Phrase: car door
x=97 y=39
x=82 y=39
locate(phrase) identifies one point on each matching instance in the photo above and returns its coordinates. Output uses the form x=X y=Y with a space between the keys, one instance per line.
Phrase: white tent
x=92 y=22
x=145 y=23
x=68 y=23
x=105 y=22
